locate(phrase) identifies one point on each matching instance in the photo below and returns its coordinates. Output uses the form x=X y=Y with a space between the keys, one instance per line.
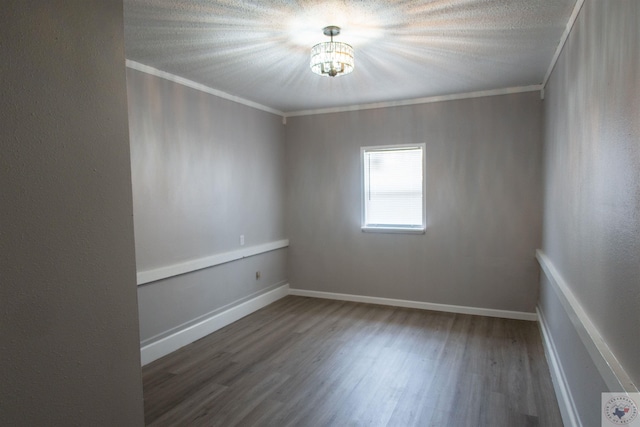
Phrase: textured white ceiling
x=403 y=49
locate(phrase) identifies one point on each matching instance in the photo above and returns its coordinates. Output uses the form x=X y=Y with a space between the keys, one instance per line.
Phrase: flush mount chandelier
x=331 y=58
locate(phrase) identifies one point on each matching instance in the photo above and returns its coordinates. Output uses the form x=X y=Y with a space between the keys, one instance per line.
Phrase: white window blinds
x=393 y=187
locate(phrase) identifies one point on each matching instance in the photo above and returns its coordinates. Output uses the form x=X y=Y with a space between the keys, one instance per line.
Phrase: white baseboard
x=519 y=315
x=171 y=343
x=163 y=346
x=563 y=395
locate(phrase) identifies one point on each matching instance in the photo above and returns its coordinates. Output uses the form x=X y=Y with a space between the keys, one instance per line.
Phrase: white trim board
x=197 y=86
x=218 y=320
x=357 y=107
x=418 y=304
x=566 y=404
x=223 y=316
x=563 y=41
x=416 y=101
x=148 y=276
x=612 y=372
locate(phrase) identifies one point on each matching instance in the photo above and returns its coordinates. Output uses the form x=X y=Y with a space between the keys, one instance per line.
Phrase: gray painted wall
x=592 y=164
x=69 y=339
x=168 y=306
x=205 y=170
x=581 y=374
x=483 y=200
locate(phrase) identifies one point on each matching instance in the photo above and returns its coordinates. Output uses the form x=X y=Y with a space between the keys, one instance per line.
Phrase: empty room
x=320 y=213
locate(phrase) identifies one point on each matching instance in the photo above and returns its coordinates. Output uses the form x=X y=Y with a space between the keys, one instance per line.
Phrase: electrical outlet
x=257 y=275
x=242 y=240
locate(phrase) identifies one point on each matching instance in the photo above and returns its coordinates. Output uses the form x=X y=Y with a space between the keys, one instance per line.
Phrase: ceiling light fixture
x=331 y=58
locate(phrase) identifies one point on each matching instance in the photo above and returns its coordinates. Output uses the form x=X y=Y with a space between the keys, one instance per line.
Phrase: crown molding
x=563 y=40
x=416 y=101
x=357 y=107
x=198 y=86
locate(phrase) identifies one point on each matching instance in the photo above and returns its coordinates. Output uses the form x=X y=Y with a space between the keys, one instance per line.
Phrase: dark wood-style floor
x=314 y=362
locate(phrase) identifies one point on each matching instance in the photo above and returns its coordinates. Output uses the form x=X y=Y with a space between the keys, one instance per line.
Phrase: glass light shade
x=332 y=58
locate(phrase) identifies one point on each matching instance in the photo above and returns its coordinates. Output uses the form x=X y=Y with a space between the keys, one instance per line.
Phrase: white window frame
x=381 y=228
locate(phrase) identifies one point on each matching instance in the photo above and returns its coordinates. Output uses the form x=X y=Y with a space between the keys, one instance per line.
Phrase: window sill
x=398 y=230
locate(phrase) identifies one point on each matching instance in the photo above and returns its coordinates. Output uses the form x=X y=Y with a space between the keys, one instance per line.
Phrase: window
x=393 y=188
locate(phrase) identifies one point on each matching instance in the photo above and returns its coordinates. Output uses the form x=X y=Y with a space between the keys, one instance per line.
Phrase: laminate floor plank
x=313 y=362
x=189 y=409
